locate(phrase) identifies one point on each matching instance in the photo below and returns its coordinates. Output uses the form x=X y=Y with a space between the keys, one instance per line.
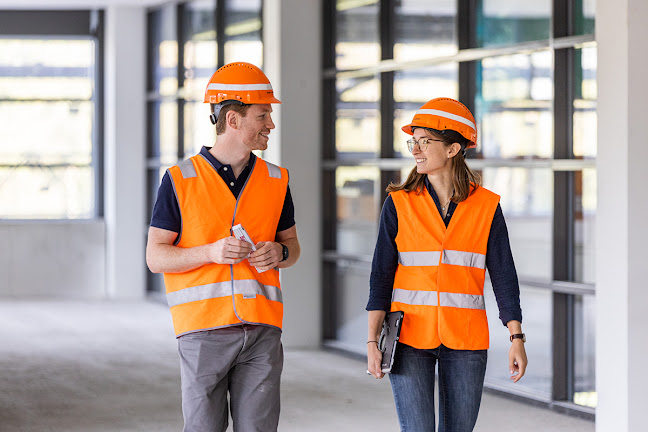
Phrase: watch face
x=284 y=252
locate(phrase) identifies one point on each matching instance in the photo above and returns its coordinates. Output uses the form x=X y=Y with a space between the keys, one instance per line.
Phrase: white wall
x=292 y=39
x=52 y=259
x=125 y=146
x=622 y=236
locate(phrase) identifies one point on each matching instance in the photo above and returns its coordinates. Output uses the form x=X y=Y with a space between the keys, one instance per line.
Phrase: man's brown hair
x=220 y=124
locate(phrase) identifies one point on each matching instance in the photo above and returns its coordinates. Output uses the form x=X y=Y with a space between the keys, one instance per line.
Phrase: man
x=225 y=297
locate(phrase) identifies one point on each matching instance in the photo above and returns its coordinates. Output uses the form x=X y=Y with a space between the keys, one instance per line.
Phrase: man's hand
x=267 y=256
x=517 y=360
x=228 y=250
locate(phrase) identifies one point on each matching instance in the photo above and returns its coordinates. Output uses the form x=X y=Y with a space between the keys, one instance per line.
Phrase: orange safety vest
x=220 y=295
x=439 y=282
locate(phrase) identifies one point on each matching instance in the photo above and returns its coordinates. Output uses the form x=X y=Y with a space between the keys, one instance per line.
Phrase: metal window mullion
x=180 y=72
x=328 y=231
x=563 y=220
x=98 y=129
x=261 y=33
x=221 y=10
x=467 y=39
x=387 y=104
x=464 y=55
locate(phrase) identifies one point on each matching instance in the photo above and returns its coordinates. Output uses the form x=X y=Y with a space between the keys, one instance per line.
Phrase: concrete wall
x=125 y=151
x=292 y=39
x=52 y=259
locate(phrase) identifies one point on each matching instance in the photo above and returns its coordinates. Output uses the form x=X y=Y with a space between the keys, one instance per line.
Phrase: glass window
x=164 y=117
x=502 y=22
x=514 y=109
x=358 y=40
x=357 y=126
x=527 y=204
x=536 y=311
x=47 y=112
x=200 y=47
x=351 y=294
x=425 y=29
x=163 y=73
x=357 y=209
x=243 y=32
x=413 y=88
x=198 y=130
x=585 y=225
x=584 y=16
x=585 y=351
x=585 y=96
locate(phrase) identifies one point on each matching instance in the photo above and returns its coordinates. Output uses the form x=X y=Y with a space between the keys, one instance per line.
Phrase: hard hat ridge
x=242 y=82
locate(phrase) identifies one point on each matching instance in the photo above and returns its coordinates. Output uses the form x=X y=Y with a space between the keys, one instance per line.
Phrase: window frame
x=62 y=24
x=564 y=40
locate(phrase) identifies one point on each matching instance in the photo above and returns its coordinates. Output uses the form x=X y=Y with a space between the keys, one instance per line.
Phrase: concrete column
x=291 y=40
x=622 y=236
x=125 y=162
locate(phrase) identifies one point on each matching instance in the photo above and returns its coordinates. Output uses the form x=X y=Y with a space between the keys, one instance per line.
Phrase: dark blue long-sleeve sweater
x=499 y=261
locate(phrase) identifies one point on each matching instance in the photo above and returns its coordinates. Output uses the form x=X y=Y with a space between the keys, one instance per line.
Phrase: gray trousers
x=245 y=360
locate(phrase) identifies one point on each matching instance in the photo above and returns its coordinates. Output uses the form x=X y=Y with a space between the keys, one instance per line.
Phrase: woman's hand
x=517 y=360
x=374 y=360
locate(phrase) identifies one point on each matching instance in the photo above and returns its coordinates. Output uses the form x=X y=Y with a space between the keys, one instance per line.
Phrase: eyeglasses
x=422 y=144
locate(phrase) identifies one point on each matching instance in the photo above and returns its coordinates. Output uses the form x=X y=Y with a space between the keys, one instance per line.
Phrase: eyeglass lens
x=422 y=144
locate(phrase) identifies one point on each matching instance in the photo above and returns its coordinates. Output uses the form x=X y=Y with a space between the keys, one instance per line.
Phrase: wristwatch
x=518 y=336
x=284 y=252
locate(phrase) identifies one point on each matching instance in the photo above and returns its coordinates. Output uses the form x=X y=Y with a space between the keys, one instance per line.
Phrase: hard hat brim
x=408 y=130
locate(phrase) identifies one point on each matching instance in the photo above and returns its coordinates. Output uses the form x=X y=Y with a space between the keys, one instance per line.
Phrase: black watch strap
x=285 y=252
x=518 y=336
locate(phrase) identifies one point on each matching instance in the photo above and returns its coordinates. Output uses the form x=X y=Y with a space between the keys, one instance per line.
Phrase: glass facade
x=357 y=34
x=501 y=22
x=535 y=107
x=357 y=126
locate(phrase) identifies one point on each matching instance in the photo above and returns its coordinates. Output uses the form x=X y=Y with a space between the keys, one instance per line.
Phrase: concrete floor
x=109 y=366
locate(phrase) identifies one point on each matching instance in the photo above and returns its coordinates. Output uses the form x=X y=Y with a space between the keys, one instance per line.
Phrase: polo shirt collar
x=204 y=151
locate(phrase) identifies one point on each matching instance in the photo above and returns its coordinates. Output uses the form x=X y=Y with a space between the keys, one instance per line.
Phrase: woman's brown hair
x=464 y=179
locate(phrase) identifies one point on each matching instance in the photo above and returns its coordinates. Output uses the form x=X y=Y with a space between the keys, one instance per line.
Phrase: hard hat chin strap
x=216 y=109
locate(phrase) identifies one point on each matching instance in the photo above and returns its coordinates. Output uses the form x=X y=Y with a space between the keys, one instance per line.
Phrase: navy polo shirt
x=499 y=261
x=166 y=212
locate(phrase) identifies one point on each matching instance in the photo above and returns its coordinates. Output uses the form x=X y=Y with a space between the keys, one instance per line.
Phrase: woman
x=439 y=231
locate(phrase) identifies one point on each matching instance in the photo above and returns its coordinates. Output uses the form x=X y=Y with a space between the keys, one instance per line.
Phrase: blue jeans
x=461 y=380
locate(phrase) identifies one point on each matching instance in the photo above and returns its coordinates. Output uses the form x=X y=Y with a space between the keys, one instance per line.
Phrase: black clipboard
x=389 y=338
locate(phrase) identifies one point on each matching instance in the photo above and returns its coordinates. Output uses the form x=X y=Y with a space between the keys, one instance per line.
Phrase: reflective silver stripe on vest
x=465 y=301
x=187 y=169
x=429 y=298
x=466 y=259
x=419 y=258
x=248 y=288
x=411 y=297
x=273 y=170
